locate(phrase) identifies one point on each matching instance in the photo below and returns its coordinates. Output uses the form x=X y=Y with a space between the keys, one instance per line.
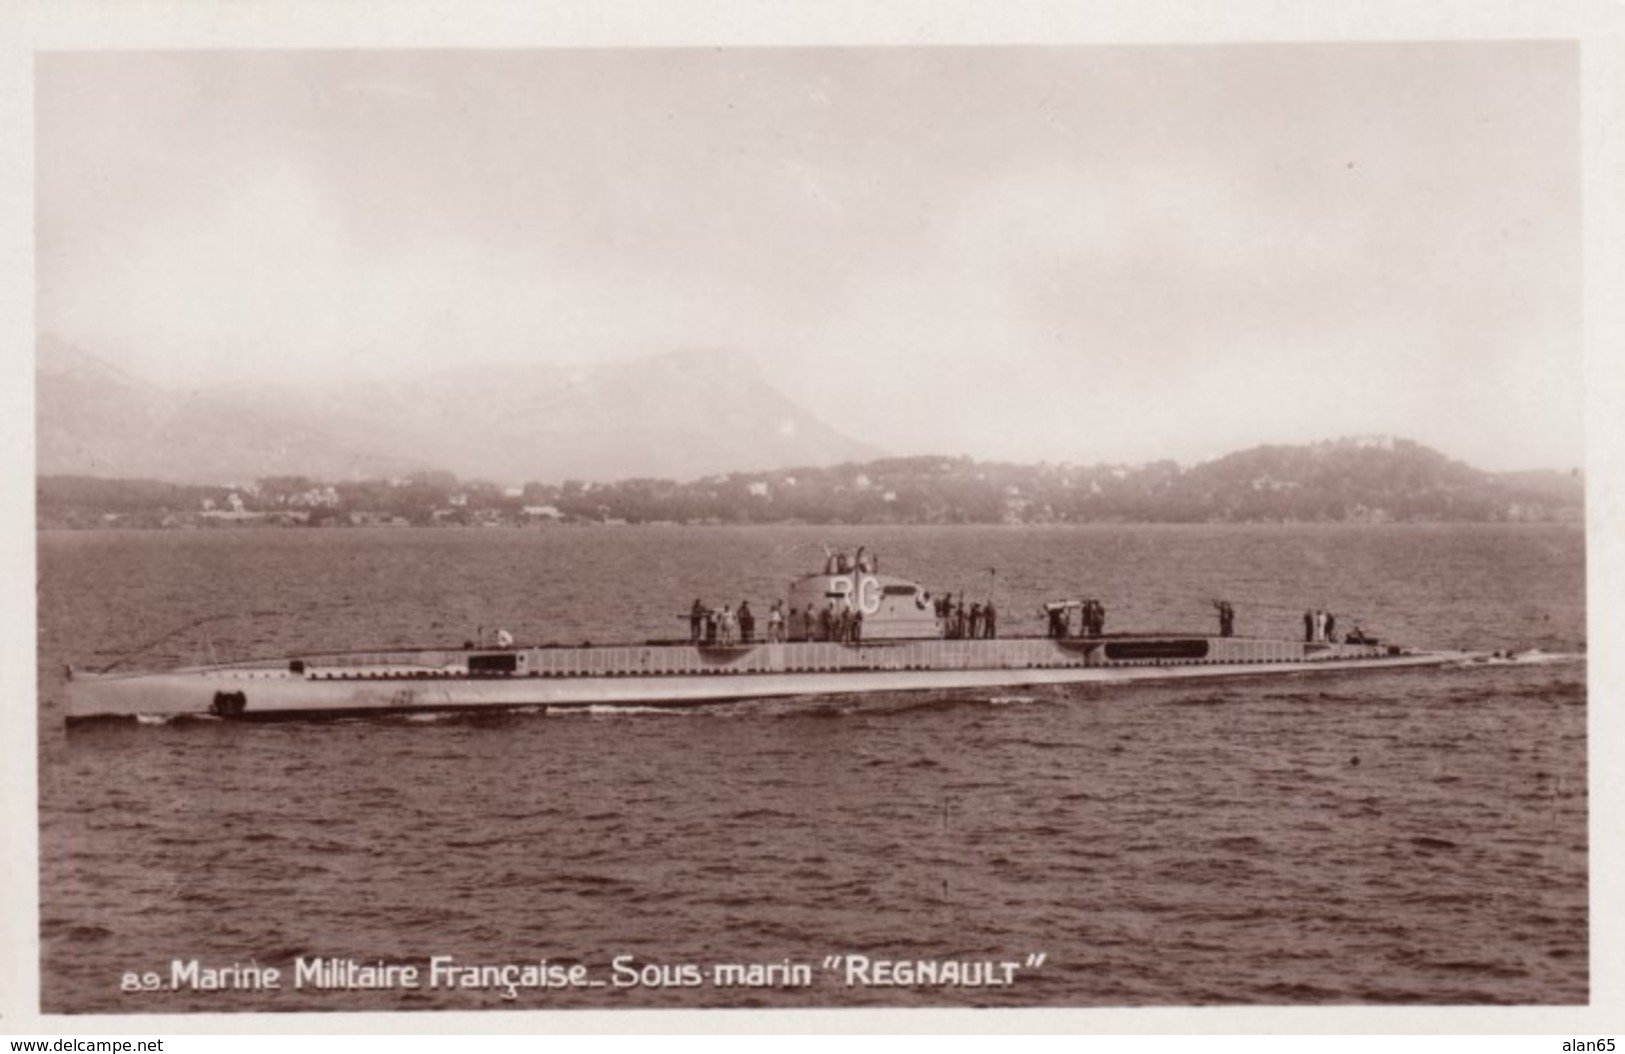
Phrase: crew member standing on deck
x=696 y=621
x=775 y=624
x=990 y=627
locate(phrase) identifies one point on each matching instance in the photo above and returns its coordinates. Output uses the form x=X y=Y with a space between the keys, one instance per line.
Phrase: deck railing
x=797 y=657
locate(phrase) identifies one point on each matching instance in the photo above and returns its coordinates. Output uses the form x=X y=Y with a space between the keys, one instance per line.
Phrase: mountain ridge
x=682 y=414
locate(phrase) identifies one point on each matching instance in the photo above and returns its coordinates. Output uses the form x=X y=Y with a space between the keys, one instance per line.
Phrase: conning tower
x=893 y=608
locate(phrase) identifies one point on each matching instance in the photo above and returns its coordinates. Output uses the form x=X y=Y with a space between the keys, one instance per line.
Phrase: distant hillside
x=1364 y=479
x=680 y=415
x=1371 y=481
x=93 y=419
x=1347 y=480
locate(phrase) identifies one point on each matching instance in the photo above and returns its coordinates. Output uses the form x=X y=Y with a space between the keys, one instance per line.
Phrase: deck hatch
x=506 y=662
x=1131 y=650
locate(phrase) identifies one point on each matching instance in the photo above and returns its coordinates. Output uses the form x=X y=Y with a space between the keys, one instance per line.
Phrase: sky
x=1075 y=254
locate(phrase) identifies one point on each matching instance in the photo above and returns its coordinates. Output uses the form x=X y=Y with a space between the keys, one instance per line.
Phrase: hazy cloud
x=1057 y=253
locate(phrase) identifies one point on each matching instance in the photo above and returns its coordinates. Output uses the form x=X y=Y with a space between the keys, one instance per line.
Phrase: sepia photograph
x=807 y=525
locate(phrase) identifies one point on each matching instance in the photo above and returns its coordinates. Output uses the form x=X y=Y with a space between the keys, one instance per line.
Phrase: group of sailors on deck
x=1091 y=618
x=979 y=622
x=725 y=625
x=843 y=624
x=1321 y=627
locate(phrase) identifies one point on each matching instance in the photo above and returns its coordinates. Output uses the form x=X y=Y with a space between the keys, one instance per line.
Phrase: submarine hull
x=684 y=675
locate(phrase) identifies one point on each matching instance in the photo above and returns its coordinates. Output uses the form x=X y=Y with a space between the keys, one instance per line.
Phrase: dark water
x=1372 y=838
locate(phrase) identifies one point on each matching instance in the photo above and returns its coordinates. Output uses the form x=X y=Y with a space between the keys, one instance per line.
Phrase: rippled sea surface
x=1399 y=837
